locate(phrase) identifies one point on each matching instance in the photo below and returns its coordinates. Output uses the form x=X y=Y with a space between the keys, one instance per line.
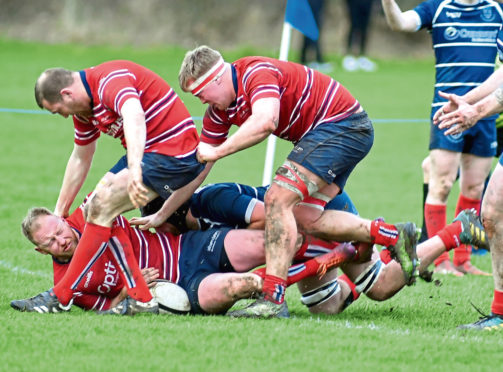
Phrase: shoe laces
x=483 y=316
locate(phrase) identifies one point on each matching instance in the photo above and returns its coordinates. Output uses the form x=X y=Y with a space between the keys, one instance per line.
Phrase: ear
x=40 y=250
x=65 y=92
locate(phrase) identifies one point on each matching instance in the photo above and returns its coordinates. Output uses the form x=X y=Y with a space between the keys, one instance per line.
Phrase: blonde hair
x=195 y=64
x=30 y=224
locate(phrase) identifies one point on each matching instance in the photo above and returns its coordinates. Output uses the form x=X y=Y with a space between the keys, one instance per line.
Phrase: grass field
x=415 y=330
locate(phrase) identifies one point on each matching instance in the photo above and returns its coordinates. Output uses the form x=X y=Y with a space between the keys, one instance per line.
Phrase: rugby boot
x=342 y=253
x=262 y=309
x=473 y=232
x=404 y=251
x=45 y=302
x=491 y=322
x=129 y=306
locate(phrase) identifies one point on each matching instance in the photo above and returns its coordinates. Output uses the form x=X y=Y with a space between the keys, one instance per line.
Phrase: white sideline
x=462 y=336
x=21 y=270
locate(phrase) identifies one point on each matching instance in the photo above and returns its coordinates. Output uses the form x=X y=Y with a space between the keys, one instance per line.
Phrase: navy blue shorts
x=202 y=254
x=332 y=150
x=163 y=173
x=479 y=140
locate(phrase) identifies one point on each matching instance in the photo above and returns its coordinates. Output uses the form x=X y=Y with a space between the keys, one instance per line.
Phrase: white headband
x=200 y=83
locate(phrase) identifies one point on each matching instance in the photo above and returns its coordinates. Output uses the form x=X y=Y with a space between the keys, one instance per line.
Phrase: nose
x=61 y=241
x=203 y=101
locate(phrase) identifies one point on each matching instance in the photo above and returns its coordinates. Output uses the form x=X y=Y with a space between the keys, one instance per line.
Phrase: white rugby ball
x=172 y=298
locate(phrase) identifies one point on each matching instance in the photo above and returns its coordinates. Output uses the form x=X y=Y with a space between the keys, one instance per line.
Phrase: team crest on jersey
x=488 y=15
x=451 y=33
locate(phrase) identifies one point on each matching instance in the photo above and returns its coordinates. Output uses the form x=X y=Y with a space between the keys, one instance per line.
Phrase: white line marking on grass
x=467 y=336
x=21 y=270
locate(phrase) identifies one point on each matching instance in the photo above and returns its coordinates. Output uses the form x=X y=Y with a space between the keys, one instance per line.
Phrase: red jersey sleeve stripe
x=114 y=74
x=123 y=96
x=258 y=67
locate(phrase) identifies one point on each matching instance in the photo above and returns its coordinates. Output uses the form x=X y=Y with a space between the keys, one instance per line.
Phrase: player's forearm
x=75 y=175
x=489 y=86
x=183 y=194
x=117 y=299
x=490 y=105
x=252 y=132
x=398 y=20
x=135 y=133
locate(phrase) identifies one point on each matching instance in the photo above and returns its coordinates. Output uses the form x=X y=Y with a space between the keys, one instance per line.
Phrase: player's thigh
x=245 y=248
x=444 y=163
x=492 y=203
x=474 y=170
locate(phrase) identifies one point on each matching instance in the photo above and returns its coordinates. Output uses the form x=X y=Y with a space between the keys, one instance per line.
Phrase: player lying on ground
x=238 y=205
x=212 y=287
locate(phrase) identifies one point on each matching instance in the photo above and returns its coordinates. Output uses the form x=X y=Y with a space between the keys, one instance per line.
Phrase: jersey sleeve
x=215 y=127
x=84 y=132
x=116 y=88
x=426 y=11
x=262 y=81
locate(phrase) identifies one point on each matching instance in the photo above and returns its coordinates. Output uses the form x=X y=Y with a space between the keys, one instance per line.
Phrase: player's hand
x=206 y=153
x=465 y=117
x=448 y=107
x=150 y=275
x=138 y=192
x=147 y=222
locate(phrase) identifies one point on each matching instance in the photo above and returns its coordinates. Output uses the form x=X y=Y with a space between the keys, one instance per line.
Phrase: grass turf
x=414 y=330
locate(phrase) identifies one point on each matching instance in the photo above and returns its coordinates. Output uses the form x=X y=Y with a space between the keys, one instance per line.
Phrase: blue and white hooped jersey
x=464 y=41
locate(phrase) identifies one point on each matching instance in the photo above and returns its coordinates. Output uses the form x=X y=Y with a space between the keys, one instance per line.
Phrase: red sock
x=385 y=256
x=90 y=247
x=435 y=217
x=296 y=272
x=274 y=289
x=383 y=233
x=300 y=271
x=450 y=235
x=497 y=305
x=462 y=253
x=352 y=286
x=312 y=242
x=129 y=269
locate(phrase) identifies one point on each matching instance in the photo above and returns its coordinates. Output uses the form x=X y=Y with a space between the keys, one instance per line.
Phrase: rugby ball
x=172 y=298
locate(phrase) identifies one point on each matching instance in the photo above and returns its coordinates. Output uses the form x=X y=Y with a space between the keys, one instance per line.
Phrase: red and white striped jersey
x=307 y=99
x=170 y=128
x=102 y=282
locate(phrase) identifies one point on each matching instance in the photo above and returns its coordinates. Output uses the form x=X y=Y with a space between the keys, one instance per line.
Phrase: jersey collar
x=86 y=85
